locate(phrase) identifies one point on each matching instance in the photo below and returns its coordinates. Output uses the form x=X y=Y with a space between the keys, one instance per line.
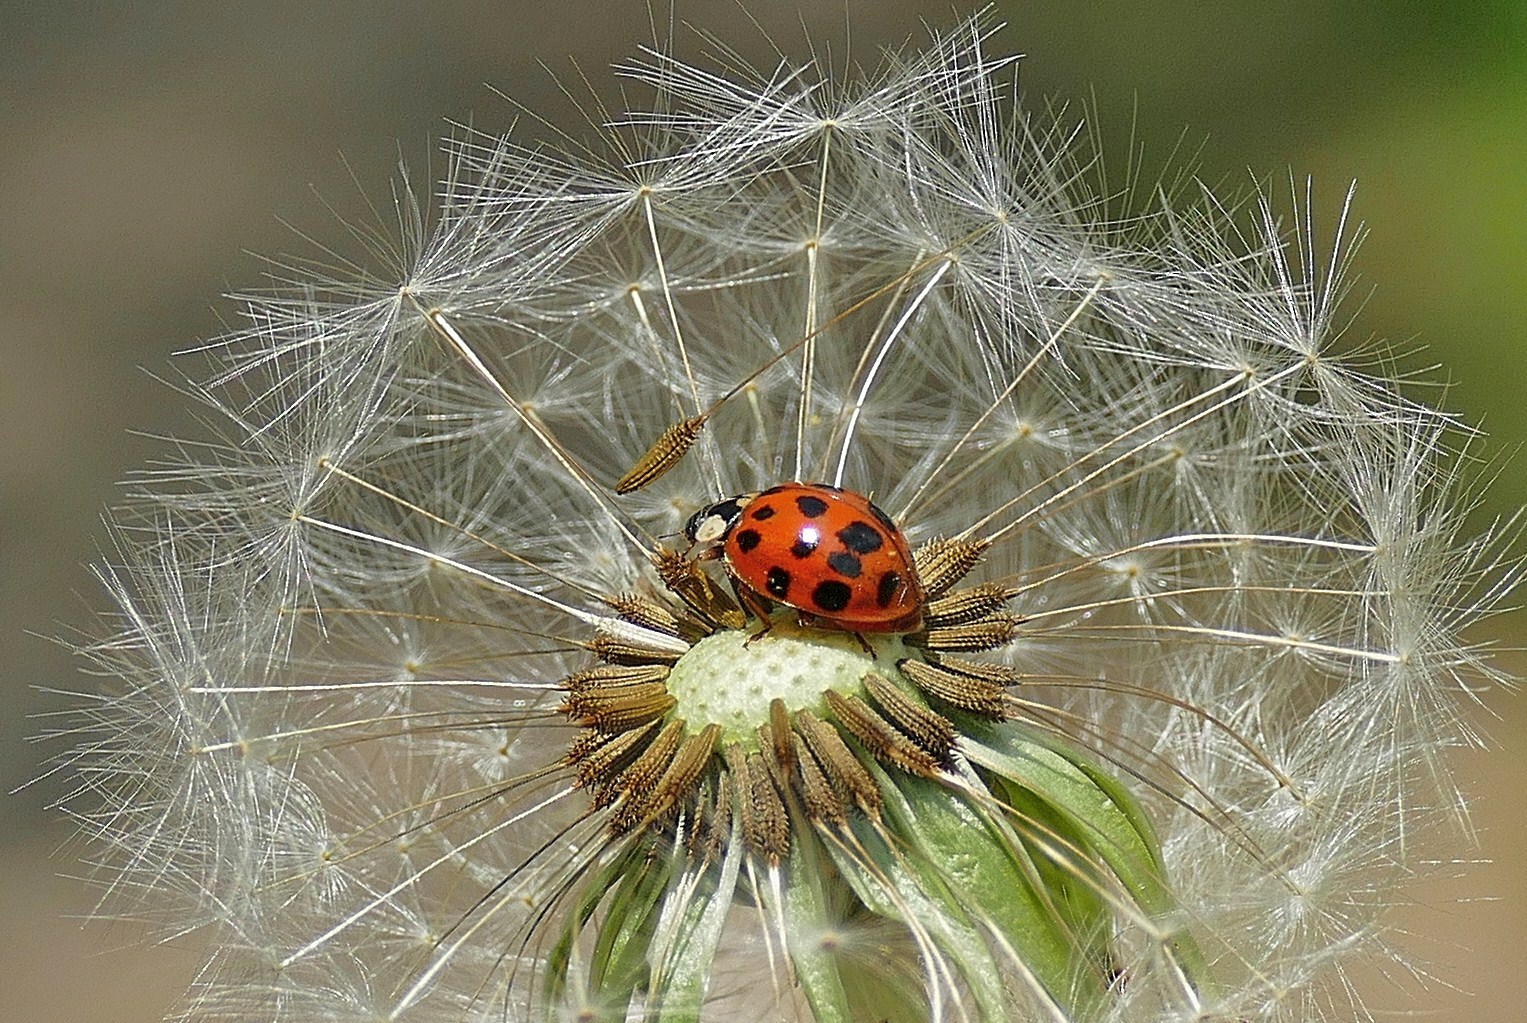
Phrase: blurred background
x=152 y=146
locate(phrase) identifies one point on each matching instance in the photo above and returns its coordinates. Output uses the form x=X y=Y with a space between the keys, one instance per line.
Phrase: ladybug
x=823 y=550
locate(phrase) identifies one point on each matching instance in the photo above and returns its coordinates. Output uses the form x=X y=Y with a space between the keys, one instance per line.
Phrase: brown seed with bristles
x=961 y=606
x=765 y=824
x=879 y=736
x=586 y=743
x=611 y=675
x=822 y=803
x=967 y=692
x=636 y=781
x=597 y=755
x=1002 y=674
x=982 y=634
x=697 y=590
x=617 y=708
x=620 y=650
x=644 y=611
x=925 y=726
x=839 y=764
x=713 y=820
x=663 y=455
x=693 y=756
x=943 y=562
x=653 y=799
x=778 y=773
x=780 y=735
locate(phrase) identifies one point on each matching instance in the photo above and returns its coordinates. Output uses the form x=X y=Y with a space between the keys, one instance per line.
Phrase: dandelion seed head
x=419 y=718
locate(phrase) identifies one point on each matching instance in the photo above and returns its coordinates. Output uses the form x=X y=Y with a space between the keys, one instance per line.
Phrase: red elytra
x=820 y=549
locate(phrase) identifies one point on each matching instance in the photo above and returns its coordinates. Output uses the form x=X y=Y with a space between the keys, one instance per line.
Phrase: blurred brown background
x=149 y=146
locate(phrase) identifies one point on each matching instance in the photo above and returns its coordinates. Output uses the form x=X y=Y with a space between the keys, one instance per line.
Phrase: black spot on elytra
x=844 y=563
x=778 y=582
x=761 y=514
x=886 y=591
x=747 y=539
x=861 y=537
x=831 y=595
x=811 y=506
x=803 y=548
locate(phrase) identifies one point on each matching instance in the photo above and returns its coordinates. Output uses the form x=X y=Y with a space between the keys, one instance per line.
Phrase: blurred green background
x=150 y=146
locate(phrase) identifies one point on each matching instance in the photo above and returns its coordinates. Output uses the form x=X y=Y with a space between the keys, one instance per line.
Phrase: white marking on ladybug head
x=710 y=528
x=710 y=524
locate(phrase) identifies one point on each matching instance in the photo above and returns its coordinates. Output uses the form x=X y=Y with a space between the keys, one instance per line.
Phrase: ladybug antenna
x=674 y=443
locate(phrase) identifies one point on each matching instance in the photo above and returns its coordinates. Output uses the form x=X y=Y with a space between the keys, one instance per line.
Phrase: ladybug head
x=711 y=522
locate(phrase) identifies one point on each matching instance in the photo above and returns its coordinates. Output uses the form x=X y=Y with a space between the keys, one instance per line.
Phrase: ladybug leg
x=808 y=620
x=865 y=644
x=753 y=602
x=760 y=608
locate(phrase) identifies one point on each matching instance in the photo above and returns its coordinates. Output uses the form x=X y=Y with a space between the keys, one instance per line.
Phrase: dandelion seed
x=1126 y=713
